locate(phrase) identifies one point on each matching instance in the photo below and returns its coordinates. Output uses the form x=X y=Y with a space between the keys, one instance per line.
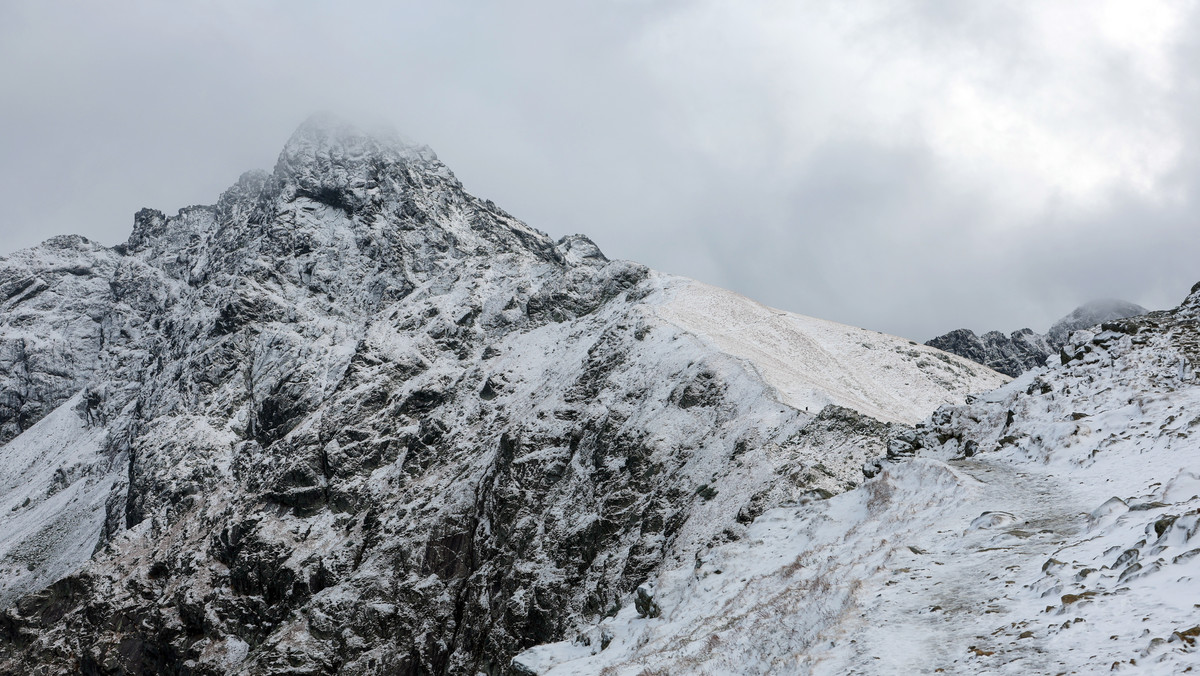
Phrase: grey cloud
x=560 y=113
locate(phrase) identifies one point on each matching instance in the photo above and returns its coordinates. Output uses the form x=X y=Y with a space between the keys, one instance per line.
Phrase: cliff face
x=351 y=419
x=54 y=303
x=1011 y=355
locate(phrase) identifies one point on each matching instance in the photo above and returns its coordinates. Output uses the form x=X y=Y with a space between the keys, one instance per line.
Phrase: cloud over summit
x=910 y=167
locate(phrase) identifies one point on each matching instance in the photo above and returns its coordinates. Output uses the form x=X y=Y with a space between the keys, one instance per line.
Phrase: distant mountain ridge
x=1025 y=349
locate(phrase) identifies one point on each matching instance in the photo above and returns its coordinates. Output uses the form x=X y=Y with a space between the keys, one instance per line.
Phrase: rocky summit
x=351 y=419
x=1024 y=349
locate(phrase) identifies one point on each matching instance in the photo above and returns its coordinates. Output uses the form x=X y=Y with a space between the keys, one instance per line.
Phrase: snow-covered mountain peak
x=1090 y=314
x=342 y=164
x=330 y=137
x=383 y=188
x=354 y=418
x=340 y=198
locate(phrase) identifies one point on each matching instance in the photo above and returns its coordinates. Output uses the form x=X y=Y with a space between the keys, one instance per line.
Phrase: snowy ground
x=1067 y=546
x=813 y=362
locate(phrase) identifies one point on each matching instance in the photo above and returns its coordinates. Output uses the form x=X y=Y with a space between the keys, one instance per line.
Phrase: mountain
x=1023 y=350
x=1091 y=314
x=1011 y=355
x=1049 y=526
x=351 y=419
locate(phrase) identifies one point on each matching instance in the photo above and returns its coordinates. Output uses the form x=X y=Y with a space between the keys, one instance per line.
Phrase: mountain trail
x=1016 y=519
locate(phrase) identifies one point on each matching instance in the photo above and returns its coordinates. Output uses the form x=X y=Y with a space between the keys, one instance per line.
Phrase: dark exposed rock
x=645 y=604
x=1010 y=355
x=1023 y=350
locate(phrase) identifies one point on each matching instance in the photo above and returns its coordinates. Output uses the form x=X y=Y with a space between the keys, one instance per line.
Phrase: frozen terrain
x=351 y=419
x=813 y=363
x=1049 y=526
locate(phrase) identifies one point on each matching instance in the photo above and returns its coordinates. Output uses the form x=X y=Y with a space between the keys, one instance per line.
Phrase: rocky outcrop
x=54 y=321
x=1091 y=314
x=351 y=419
x=1023 y=350
x=1011 y=355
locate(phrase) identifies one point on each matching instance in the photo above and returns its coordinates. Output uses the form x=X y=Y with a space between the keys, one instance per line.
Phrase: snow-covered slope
x=1050 y=526
x=353 y=419
x=53 y=487
x=813 y=363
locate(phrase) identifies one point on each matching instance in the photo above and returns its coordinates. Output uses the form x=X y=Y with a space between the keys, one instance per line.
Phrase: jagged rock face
x=1023 y=350
x=354 y=420
x=54 y=321
x=1011 y=355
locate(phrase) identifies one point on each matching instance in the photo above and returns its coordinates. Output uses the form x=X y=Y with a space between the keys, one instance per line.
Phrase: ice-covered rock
x=353 y=419
x=54 y=321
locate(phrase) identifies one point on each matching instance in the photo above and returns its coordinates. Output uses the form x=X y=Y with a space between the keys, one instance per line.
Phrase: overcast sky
x=909 y=167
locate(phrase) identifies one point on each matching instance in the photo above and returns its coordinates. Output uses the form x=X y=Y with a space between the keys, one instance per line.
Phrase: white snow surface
x=1068 y=545
x=813 y=362
x=53 y=489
